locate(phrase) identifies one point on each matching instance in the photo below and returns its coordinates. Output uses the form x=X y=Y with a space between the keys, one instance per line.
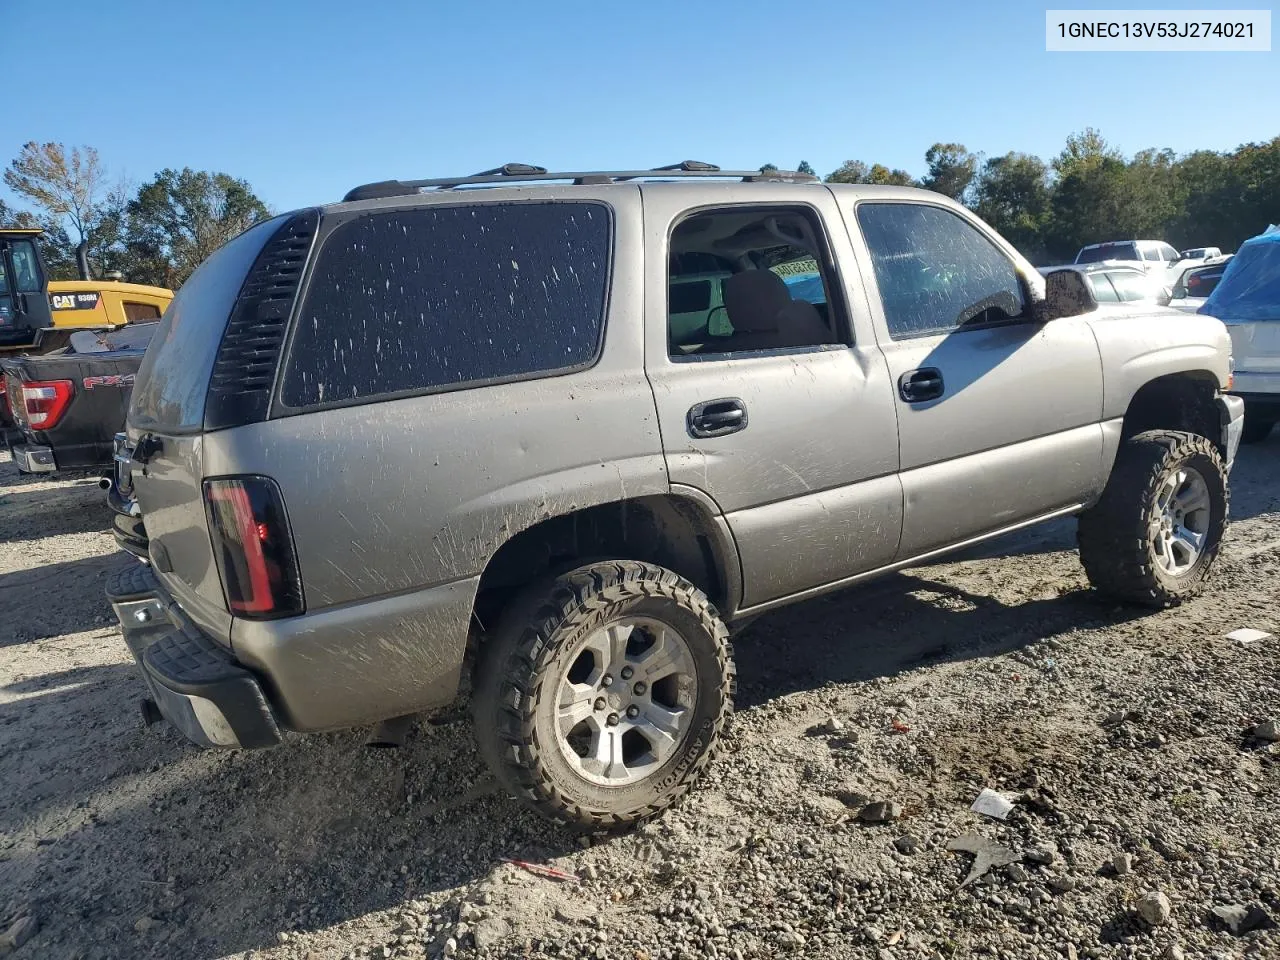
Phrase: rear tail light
x=253 y=547
x=45 y=401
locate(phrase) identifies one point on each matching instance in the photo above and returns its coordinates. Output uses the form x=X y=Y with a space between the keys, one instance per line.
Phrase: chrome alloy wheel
x=626 y=700
x=1181 y=521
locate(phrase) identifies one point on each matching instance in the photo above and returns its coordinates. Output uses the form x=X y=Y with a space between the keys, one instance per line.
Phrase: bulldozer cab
x=24 y=303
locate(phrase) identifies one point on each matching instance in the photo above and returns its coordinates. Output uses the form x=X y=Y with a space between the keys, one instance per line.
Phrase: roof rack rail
x=529 y=173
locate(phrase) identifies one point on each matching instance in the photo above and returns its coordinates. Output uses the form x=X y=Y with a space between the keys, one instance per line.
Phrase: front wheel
x=600 y=700
x=1153 y=536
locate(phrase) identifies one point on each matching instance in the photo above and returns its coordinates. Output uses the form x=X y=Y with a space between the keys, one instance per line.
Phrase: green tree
x=769 y=168
x=1012 y=194
x=1089 y=205
x=182 y=216
x=1211 y=192
x=67 y=187
x=1152 y=195
x=851 y=171
x=804 y=167
x=855 y=171
x=879 y=173
x=60 y=182
x=951 y=169
x=1084 y=151
x=1256 y=174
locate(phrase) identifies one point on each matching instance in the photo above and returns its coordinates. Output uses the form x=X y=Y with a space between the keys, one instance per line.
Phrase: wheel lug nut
x=612 y=720
x=606 y=681
x=633 y=711
x=640 y=688
x=626 y=673
x=600 y=703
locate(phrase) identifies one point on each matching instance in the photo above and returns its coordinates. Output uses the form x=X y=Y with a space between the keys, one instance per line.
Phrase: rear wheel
x=1256 y=427
x=1155 y=533
x=600 y=700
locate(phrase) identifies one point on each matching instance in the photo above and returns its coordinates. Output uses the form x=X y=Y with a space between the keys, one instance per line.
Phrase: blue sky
x=306 y=99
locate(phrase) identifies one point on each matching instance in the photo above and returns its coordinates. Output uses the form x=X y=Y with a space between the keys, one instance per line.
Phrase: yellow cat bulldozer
x=38 y=315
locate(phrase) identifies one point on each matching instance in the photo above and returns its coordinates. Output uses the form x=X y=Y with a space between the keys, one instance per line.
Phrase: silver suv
x=455 y=415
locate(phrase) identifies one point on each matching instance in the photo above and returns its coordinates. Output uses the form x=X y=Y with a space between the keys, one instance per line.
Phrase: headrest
x=753 y=300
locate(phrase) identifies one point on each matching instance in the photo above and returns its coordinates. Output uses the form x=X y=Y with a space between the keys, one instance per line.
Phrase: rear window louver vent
x=245 y=370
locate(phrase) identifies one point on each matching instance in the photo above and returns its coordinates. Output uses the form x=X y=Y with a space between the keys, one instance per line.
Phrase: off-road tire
x=1256 y=428
x=518 y=668
x=1114 y=535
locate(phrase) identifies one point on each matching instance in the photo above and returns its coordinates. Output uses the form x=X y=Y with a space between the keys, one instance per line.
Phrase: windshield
x=1250 y=287
x=1109 y=251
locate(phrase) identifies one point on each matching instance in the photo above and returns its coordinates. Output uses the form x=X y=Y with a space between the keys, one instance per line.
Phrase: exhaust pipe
x=82 y=260
x=391 y=733
x=104 y=483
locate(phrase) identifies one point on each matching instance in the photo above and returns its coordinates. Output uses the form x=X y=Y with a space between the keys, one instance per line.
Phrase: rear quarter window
x=173 y=379
x=440 y=297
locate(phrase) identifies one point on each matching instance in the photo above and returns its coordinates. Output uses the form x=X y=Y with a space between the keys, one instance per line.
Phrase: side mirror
x=1066 y=294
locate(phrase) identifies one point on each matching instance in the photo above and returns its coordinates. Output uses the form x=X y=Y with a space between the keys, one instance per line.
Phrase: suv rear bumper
x=330 y=669
x=198 y=687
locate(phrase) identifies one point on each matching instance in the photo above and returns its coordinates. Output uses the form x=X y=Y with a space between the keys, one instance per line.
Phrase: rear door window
x=438 y=297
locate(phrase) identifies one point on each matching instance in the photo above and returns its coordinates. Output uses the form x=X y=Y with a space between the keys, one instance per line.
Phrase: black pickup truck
x=67 y=406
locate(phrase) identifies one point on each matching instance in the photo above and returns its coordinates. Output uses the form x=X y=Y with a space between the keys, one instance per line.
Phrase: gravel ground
x=835 y=823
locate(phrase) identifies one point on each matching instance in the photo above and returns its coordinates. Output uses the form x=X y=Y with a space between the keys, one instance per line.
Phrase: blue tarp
x=806 y=286
x=1250 y=288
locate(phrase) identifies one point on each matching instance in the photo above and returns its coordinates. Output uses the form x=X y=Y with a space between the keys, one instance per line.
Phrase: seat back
x=764 y=317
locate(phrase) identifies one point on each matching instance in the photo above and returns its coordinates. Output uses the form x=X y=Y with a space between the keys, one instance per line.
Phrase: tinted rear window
x=173 y=379
x=435 y=297
x=1109 y=251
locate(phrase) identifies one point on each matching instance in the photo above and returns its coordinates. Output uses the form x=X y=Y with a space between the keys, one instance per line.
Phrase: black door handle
x=715 y=418
x=919 y=386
